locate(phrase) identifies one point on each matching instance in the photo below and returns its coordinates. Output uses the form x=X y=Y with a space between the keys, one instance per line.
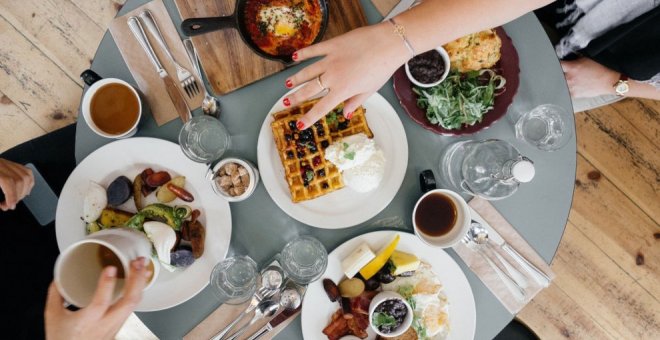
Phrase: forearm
x=437 y=22
x=643 y=90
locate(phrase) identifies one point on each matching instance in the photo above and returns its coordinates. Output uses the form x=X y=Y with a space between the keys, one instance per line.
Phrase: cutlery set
x=185 y=78
x=480 y=238
x=274 y=299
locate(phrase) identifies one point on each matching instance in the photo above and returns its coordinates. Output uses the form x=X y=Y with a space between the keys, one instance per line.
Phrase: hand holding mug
x=101 y=319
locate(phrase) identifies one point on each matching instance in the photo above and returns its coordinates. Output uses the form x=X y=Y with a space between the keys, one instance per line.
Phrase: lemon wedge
x=379 y=261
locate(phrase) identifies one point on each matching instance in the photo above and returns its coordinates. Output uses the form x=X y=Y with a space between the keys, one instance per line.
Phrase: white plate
x=317 y=308
x=128 y=157
x=345 y=207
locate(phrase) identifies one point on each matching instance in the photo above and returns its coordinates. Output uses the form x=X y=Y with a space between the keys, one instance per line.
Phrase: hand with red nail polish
x=102 y=319
x=286 y=102
x=354 y=65
x=288 y=83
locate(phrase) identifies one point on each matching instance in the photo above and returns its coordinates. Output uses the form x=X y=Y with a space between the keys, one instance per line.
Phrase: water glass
x=547 y=127
x=304 y=259
x=234 y=280
x=204 y=139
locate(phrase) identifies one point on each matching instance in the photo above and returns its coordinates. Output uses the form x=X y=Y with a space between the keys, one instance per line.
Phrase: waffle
x=307 y=172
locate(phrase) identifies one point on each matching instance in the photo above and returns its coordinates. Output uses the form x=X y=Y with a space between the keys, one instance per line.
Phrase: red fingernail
x=289 y=83
x=286 y=102
x=349 y=115
x=294 y=56
x=300 y=125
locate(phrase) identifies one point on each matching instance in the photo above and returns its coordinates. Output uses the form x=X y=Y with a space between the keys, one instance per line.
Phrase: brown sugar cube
x=235 y=178
x=245 y=179
x=231 y=168
x=239 y=190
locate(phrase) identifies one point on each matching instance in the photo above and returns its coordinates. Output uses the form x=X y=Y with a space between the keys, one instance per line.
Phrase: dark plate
x=507 y=67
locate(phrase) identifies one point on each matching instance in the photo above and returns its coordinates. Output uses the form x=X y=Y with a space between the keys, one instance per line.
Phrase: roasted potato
x=164 y=195
x=114 y=217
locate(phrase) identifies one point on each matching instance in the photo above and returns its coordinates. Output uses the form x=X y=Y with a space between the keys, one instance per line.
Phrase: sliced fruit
x=403 y=262
x=352 y=264
x=164 y=195
x=379 y=261
x=351 y=287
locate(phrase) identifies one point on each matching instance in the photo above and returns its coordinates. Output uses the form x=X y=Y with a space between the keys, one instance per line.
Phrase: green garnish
x=309 y=175
x=344 y=145
x=461 y=99
x=383 y=319
x=331 y=118
x=419 y=328
x=350 y=155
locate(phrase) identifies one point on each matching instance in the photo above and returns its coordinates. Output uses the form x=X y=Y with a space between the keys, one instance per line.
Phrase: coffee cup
x=78 y=267
x=441 y=217
x=111 y=107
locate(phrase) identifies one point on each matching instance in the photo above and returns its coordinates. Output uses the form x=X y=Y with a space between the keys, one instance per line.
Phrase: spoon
x=481 y=235
x=474 y=241
x=210 y=105
x=265 y=309
x=289 y=300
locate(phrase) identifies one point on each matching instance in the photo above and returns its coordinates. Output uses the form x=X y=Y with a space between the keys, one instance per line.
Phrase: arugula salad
x=461 y=99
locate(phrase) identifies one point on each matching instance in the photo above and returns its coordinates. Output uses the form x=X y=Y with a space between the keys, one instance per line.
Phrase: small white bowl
x=445 y=59
x=382 y=297
x=252 y=172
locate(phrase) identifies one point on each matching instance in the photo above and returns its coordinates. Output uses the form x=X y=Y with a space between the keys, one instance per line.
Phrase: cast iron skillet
x=197 y=26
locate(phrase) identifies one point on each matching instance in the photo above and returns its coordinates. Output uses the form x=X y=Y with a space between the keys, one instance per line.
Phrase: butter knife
x=276 y=321
x=170 y=86
x=540 y=277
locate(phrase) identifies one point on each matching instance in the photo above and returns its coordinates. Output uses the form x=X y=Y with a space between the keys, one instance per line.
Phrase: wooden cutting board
x=229 y=63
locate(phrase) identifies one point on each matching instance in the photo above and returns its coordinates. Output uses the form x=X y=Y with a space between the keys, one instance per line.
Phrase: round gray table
x=538 y=210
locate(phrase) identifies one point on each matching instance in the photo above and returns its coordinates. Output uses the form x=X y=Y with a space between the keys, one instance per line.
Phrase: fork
x=262 y=293
x=187 y=80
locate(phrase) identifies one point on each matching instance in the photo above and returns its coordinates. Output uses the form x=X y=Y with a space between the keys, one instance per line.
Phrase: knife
x=276 y=321
x=540 y=277
x=402 y=6
x=170 y=86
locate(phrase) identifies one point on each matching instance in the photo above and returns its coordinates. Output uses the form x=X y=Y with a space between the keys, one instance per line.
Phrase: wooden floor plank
x=101 y=12
x=15 y=127
x=34 y=83
x=619 y=304
x=626 y=157
x=554 y=315
x=616 y=225
x=643 y=116
x=59 y=29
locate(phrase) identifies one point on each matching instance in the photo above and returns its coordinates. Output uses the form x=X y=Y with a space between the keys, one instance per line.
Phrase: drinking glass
x=204 y=139
x=547 y=127
x=304 y=259
x=234 y=280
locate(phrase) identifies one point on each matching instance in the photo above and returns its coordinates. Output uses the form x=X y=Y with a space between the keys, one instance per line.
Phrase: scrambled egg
x=474 y=51
x=430 y=302
x=281 y=20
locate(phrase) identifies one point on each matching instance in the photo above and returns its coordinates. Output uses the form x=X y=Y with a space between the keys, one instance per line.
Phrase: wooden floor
x=608 y=263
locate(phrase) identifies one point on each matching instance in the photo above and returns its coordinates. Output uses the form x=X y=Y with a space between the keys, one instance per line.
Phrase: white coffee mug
x=461 y=222
x=78 y=267
x=95 y=82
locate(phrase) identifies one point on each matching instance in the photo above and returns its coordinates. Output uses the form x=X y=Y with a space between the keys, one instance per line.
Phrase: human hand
x=101 y=319
x=587 y=78
x=354 y=66
x=16 y=181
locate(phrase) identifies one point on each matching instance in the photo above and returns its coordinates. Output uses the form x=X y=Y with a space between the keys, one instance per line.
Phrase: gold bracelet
x=401 y=31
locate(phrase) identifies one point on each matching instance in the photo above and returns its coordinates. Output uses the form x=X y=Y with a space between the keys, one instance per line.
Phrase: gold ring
x=323 y=88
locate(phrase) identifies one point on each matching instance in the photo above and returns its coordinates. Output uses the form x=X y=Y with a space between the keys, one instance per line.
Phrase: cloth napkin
x=143 y=71
x=488 y=276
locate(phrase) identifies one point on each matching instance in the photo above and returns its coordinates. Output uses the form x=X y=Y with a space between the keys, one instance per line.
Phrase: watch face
x=621 y=87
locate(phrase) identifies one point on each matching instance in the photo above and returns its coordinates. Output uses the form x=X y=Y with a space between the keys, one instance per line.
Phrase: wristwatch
x=621 y=86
